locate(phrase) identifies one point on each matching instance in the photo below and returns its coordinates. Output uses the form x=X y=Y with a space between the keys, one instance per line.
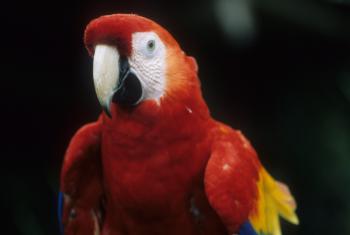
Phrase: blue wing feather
x=247 y=229
x=60 y=211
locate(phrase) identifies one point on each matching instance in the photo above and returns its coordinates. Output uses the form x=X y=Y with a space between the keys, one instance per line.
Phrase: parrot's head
x=137 y=62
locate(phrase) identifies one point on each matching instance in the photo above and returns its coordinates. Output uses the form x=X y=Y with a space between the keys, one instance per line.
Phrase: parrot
x=155 y=161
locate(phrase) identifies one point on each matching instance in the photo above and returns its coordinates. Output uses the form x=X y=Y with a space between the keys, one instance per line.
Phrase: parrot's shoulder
x=223 y=133
x=81 y=155
x=231 y=176
x=85 y=137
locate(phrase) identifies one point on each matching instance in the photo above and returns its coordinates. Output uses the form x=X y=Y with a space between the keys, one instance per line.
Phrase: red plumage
x=81 y=183
x=118 y=30
x=167 y=166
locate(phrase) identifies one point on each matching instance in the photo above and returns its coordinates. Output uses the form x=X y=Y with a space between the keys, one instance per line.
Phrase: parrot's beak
x=106 y=74
x=113 y=79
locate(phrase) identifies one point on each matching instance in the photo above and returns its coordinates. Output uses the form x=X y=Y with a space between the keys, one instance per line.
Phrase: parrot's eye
x=147 y=44
x=151 y=45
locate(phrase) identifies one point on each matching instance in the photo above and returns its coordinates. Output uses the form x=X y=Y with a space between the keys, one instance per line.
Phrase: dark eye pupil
x=151 y=44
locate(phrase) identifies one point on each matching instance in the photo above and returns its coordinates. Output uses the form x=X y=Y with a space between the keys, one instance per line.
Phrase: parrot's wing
x=81 y=173
x=242 y=193
x=274 y=200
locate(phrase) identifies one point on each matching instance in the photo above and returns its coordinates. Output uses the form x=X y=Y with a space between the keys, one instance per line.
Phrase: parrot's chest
x=154 y=178
x=146 y=177
x=149 y=183
x=160 y=191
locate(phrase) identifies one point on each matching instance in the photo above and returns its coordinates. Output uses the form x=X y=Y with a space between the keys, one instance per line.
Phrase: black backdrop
x=280 y=72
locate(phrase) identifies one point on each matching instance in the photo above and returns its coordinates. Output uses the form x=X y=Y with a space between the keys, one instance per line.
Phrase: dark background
x=277 y=70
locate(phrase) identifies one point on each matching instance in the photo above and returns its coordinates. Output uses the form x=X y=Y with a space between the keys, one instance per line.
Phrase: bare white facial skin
x=148 y=62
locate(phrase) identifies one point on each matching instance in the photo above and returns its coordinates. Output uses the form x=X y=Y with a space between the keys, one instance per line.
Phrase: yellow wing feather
x=274 y=200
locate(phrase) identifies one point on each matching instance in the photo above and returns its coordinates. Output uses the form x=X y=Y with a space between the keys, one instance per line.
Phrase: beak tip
x=107 y=110
x=108 y=113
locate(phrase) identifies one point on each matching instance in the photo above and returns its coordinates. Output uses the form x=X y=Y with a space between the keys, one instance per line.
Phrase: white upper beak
x=105 y=73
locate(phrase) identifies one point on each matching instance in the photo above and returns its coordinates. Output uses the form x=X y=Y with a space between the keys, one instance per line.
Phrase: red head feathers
x=117 y=30
x=137 y=61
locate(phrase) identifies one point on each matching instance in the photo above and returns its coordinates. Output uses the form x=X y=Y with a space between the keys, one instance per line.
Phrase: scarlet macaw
x=163 y=165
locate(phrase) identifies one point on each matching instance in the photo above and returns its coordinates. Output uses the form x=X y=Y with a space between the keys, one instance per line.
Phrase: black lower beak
x=129 y=88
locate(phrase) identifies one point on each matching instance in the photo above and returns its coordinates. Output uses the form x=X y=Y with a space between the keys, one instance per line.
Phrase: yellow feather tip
x=274 y=200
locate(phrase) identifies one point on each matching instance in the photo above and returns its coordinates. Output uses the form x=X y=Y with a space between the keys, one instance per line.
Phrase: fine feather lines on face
x=163 y=70
x=149 y=63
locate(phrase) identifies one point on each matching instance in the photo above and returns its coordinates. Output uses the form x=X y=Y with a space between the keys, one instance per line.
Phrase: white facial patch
x=147 y=61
